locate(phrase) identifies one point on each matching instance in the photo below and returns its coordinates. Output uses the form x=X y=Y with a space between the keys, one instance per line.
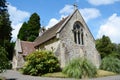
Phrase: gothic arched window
x=78 y=33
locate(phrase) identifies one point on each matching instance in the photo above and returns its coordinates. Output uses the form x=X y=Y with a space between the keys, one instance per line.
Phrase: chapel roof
x=50 y=33
x=27 y=47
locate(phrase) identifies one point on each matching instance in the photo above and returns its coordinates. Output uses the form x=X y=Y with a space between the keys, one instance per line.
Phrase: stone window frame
x=78 y=32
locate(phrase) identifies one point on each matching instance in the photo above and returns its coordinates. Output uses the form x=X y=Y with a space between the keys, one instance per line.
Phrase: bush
x=4 y=62
x=80 y=68
x=111 y=64
x=40 y=62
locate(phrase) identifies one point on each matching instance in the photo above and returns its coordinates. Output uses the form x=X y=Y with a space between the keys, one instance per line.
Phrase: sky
x=101 y=16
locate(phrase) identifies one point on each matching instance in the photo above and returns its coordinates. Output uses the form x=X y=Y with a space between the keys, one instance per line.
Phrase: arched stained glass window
x=78 y=33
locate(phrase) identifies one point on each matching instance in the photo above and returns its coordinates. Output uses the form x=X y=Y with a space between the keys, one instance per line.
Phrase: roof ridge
x=58 y=22
x=50 y=33
x=27 y=41
x=52 y=27
x=69 y=17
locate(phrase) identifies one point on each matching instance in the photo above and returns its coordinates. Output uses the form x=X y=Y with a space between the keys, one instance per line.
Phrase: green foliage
x=104 y=46
x=80 y=68
x=2 y=5
x=30 y=30
x=34 y=26
x=32 y=38
x=4 y=63
x=5 y=23
x=9 y=47
x=118 y=48
x=40 y=62
x=5 y=28
x=107 y=48
x=111 y=64
x=116 y=52
x=23 y=32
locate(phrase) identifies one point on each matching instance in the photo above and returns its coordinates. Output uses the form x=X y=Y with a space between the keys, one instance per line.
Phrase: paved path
x=14 y=75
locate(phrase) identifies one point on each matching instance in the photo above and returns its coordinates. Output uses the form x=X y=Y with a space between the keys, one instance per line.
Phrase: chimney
x=42 y=30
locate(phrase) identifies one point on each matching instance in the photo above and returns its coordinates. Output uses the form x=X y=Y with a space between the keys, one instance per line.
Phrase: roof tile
x=50 y=33
x=27 y=47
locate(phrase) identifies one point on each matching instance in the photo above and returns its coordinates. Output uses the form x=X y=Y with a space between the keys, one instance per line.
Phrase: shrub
x=80 y=68
x=4 y=62
x=40 y=62
x=111 y=64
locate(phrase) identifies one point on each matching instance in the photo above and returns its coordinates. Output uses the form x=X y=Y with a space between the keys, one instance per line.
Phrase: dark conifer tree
x=5 y=29
x=30 y=30
x=23 y=32
x=5 y=23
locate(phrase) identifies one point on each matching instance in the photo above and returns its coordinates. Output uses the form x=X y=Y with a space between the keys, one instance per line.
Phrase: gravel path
x=14 y=75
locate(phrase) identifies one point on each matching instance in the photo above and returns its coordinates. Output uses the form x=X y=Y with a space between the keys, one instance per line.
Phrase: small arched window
x=78 y=33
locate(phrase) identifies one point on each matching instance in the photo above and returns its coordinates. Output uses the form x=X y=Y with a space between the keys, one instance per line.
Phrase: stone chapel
x=70 y=38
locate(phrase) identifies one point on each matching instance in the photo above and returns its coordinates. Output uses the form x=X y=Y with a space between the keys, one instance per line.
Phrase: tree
x=117 y=48
x=3 y=59
x=5 y=23
x=33 y=26
x=9 y=47
x=104 y=46
x=30 y=30
x=23 y=32
x=116 y=51
x=2 y=5
x=5 y=29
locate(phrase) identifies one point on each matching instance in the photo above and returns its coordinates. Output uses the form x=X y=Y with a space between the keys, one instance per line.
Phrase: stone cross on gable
x=75 y=6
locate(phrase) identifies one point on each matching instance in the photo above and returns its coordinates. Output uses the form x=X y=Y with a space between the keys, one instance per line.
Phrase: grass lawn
x=100 y=73
x=55 y=75
x=1 y=78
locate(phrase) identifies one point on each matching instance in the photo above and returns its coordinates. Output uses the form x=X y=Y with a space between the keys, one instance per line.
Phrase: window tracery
x=78 y=33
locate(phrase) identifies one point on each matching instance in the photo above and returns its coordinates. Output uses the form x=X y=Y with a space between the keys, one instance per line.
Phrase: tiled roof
x=50 y=33
x=27 y=47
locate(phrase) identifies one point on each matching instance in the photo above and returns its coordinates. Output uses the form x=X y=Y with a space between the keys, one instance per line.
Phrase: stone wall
x=20 y=60
x=53 y=46
x=17 y=57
